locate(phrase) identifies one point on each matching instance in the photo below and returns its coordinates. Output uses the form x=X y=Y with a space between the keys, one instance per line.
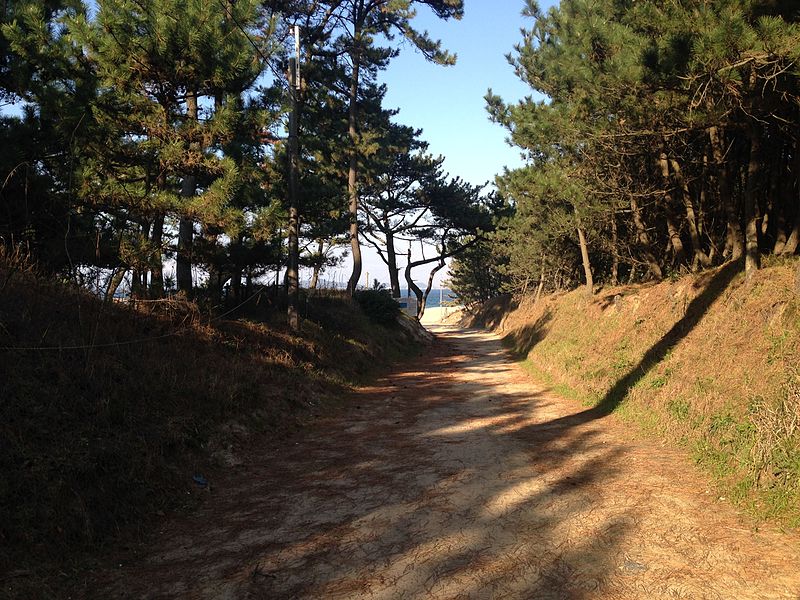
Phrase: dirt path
x=461 y=478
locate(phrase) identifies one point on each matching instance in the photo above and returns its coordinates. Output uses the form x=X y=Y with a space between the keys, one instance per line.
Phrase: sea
x=437 y=297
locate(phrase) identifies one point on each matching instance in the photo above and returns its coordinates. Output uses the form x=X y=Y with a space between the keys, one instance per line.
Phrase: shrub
x=379 y=306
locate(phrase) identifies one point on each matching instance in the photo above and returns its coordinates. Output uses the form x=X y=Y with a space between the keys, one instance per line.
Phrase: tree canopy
x=667 y=142
x=152 y=153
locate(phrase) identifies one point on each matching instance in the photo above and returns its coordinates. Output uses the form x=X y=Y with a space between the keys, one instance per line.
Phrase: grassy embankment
x=101 y=436
x=708 y=361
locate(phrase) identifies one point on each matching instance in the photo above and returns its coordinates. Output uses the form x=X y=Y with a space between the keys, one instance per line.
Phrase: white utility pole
x=293 y=267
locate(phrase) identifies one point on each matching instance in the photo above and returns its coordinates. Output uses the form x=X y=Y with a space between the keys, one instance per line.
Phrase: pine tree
x=393 y=198
x=159 y=134
x=666 y=126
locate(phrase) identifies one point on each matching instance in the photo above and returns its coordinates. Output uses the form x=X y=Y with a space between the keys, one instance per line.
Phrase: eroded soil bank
x=460 y=477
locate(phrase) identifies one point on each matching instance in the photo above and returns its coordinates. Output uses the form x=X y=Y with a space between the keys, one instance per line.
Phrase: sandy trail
x=460 y=477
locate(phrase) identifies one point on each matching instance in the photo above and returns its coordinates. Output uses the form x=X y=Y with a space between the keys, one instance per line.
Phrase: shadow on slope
x=716 y=282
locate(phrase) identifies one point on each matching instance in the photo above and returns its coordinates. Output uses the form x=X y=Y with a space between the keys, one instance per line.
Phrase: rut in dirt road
x=459 y=477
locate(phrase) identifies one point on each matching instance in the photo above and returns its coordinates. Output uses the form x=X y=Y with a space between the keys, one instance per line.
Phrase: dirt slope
x=460 y=477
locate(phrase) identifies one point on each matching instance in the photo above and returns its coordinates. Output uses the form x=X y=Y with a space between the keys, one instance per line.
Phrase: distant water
x=447 y=297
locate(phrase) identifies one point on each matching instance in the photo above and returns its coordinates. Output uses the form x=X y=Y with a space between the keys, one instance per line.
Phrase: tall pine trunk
x=644 y=241
x=317 y=267
x=293 y=262
x=157 y=268
x=114 y=281
x=614 y=252
x=587 y=267
x=794 y=237
x=672 y=229
x=700 y=257
x=540 y=287
x=428 y=288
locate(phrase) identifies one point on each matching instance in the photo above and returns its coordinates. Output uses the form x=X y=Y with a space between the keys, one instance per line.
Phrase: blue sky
x=447 y=102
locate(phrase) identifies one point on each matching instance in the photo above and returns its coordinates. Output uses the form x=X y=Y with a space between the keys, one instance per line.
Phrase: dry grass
x=776 y=427
x=108 y=410
x=707 y=361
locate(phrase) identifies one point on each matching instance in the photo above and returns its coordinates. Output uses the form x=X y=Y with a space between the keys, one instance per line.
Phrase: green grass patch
x=679 y=409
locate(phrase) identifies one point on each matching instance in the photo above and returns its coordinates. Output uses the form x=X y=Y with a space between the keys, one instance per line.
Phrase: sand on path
x=460 y=477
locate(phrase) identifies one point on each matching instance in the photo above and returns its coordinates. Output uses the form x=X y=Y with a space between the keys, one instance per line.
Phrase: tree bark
x=540 y=287
x=614 y=253
x=734 y=229
x=587 y=267
x=644 y=241
x=317 y=265
x=412 y=287
x=782 y=194
x=391 y=259
x=421 y=307
x=236 y=284
x=183 y=267
x=293 y=262
x=793 y=240
x=752 y=261
x=691 y=219
x=794 y=237
x=157 y=268
x=672 y=229
x=114 y=281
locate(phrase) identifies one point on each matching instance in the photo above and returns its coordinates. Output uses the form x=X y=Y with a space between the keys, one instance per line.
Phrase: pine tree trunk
x=794 y=187
x=424 y=302
x=587 y=267
x=540 y=287
x=773 y=207
x=614 y=253
x=157 y=268
x=793 y=240
x=734 y=229
x=391 y=259
x=412 y=287
x=672 y=229
x=691 y=219
x=784 y=188
x=114 y=282
x=352 y=175
x=293 y=263
x=236 y=284
x=644 y=241
x=317 y=265
x=183 y=267
x=752 y=260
